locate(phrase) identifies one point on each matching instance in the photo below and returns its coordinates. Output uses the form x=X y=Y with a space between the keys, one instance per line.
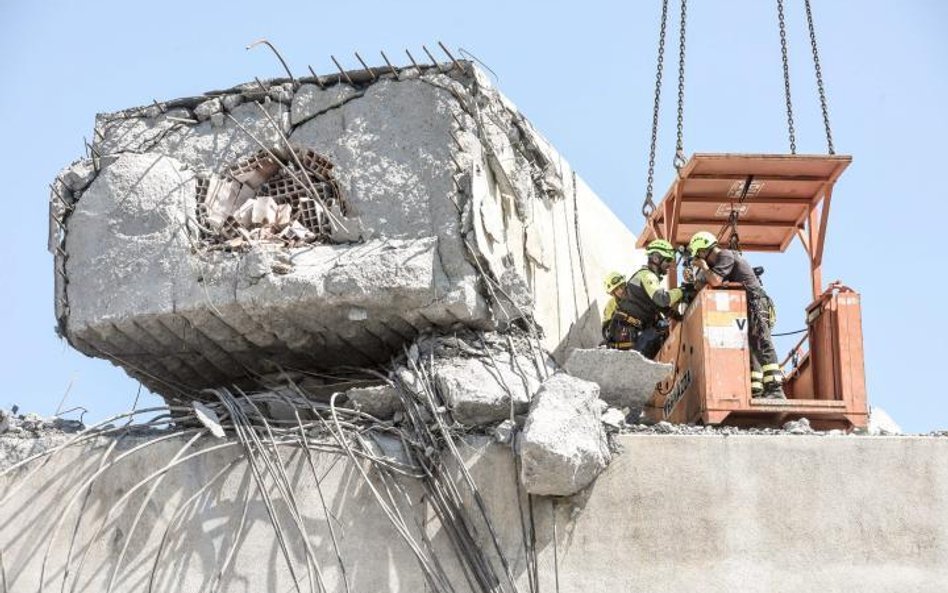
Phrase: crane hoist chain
x=648 y=205
x=819 y=78
x=786 y=76
x=679 y=161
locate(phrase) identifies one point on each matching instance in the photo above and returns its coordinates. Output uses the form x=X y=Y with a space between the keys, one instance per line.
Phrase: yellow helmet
x=613 y=280
x=701 y=240
x=661 y=247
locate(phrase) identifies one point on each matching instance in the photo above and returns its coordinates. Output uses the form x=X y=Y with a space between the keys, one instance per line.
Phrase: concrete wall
x=671 y=513
x=459 y=212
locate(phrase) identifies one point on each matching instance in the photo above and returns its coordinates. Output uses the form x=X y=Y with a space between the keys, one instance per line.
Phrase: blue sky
x=583 y=74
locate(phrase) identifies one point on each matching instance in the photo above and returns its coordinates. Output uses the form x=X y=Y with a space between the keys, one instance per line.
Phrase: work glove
x=688 y=292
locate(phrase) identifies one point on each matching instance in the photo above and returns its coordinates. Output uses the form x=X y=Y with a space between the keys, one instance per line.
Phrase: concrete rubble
x=880 y=423
x=563 y=446
x=626 y=379
x=320 y=224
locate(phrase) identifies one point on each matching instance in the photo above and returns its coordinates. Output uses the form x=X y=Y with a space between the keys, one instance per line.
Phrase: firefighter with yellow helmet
x=633 y=317
x=719 y=265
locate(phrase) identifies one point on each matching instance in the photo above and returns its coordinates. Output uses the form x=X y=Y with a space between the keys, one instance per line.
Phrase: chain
x=734 y=241
x=679 y=145
x=786 y=76
x=819 y=78
x=648 y=206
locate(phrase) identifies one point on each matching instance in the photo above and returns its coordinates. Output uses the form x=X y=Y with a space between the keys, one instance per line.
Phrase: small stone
x=503 y=432
x=205 y=110
x=229 y=102
x=380 y=401
x=613 y=418
x=801 y=426
x=217 y=120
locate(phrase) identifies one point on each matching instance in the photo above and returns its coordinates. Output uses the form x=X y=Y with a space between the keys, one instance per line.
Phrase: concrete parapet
x=670 y=513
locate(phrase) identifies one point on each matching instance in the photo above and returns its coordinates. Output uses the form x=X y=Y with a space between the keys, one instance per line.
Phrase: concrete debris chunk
x=380 y=401
x=881 y=424
x=801 y=426
x=563 y=445
x=626 y=379
x=78 y=175
x=205 y=110
x=478 y=393
x=297 y=232
x=264 y=211
x=208 y=418
x=503 y=432
x=613 y=418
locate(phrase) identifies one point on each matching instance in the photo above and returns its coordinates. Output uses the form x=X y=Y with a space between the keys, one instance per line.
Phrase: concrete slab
x=672 y=513
x=626 y=379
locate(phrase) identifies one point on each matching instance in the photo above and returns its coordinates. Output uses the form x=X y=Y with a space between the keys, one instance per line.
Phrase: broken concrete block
x=380 y=401
x=613 y=418
x=282 y=93
x=282 y=216
x=205 y=110
x=244 y=213
x=801 y=426
x=880 y=423
x=264 y=211
x=151 y=290
x=297 y=232
x=229 y=102
x=479 y=393
x=503 y=432
x=563 y=446
x=626 y=379
x=78 y=175
x=221 y=200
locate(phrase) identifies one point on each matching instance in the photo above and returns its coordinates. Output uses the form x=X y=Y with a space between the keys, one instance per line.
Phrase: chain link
x=786 y=76
x=679 y=160
x=648 y=205
x=819 y=78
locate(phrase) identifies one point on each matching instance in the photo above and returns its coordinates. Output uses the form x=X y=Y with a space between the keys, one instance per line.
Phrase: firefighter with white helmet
x=634 y=316
x=719 y=265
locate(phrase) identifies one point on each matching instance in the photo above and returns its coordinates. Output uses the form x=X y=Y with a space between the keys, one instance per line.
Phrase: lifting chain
x=786 y=76
x=679 y=145
x=648 y=206
x=819 y=78
x=734 y=242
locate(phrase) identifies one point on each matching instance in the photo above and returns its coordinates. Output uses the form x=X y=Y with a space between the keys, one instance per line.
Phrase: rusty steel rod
x=432 y=58
x=279 y=57
x=366 y=66
x=413 y=62
x=445 y=50
x=390 y=67
x=341 y=71
x=319 y=83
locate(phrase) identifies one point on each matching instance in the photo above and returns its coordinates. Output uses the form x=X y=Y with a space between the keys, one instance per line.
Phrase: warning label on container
x=733 y=336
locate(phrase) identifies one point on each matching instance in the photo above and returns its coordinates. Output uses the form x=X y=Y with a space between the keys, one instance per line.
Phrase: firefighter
x=725 y=265
x=634 y=317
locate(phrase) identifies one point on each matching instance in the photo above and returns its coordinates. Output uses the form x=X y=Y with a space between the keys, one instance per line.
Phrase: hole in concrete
x=291 y=198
